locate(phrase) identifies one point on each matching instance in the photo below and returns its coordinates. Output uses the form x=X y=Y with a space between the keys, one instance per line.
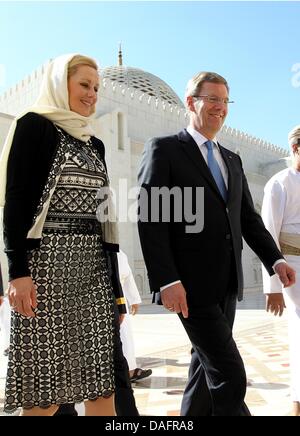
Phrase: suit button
x=228 y=236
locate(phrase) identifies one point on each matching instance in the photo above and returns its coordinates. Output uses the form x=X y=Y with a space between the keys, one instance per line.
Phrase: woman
x=60 y=287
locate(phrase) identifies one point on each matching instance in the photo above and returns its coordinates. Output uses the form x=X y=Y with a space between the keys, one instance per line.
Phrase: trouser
x=217 y=379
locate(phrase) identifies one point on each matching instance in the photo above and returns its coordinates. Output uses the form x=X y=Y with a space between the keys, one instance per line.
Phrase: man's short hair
x=194 y=85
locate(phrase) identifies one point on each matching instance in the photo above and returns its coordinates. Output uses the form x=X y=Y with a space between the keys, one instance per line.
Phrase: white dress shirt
x=200 y=141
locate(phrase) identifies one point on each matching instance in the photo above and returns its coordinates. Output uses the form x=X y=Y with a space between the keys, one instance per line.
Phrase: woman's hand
x=22 y=296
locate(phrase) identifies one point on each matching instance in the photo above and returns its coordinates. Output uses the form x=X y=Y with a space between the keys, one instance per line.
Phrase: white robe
x=132 y=296
x=281 y=213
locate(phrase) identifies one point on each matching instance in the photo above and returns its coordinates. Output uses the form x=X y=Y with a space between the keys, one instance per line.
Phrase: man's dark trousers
x=210 y=331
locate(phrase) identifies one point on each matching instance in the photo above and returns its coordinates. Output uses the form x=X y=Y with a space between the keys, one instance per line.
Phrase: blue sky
x=254 y=45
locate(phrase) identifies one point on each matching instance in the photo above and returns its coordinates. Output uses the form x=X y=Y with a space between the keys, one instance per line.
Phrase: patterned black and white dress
x=65 y=353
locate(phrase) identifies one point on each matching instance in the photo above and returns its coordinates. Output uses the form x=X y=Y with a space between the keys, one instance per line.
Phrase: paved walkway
x=162 y=345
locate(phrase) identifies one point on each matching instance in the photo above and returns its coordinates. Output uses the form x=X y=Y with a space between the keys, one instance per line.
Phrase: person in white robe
x=281 y=215
x=133 y=300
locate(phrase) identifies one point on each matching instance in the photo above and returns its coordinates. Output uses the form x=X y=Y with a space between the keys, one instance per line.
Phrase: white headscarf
x=53 y=104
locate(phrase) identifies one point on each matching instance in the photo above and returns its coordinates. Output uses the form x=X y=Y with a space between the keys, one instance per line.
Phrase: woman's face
x=83 y=86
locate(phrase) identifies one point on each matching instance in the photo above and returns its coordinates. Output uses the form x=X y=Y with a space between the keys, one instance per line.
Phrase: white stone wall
x=17 y=98
x=5 y=122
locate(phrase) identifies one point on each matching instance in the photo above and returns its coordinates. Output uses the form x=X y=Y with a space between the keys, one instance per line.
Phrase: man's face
x=208 y=117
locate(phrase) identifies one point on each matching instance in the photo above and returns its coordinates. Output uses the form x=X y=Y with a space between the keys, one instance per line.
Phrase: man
x=199 y=273
x=281 y=215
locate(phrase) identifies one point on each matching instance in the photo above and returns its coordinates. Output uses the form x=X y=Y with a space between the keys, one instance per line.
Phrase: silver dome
x=143 y=81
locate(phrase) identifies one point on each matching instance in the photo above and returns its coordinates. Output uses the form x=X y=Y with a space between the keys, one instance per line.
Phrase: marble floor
x=262 y=341
x=162 y=345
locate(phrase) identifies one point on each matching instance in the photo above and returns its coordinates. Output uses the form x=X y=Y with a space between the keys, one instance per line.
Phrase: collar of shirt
x=200 y=141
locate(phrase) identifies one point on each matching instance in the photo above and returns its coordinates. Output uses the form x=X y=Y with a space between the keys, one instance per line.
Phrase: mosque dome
x=141 y=80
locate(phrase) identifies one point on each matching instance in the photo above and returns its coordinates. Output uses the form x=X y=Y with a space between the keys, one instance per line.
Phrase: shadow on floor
x=157 y=382
x=154 y=362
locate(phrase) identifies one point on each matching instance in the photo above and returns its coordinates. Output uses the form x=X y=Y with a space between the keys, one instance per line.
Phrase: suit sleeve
x=154 y=234
x=254 y=232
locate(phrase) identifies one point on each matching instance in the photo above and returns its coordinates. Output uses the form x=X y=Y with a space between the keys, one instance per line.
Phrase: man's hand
x=174 y=299
x=275 y=303
x=286 y=274
x=134 y=308
x=22 y=296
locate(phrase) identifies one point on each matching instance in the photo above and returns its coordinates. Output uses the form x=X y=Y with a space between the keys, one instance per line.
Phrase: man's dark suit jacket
x=202 y=261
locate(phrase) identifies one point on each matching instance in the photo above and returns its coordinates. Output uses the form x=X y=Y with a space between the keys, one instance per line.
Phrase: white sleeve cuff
x=277 y=262
x=170 y=284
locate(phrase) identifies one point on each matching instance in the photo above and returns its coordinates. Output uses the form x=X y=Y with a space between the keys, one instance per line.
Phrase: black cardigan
x=29 y=163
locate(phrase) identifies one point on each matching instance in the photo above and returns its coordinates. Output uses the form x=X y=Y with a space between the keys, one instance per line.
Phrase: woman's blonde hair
x=80 y=60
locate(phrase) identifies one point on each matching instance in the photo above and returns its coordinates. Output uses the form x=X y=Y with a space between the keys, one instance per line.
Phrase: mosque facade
x=133 y=106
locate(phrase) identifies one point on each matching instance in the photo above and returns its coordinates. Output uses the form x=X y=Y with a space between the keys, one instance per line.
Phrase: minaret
x=120 y=56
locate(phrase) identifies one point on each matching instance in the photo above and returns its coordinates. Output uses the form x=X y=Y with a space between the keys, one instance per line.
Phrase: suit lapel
x=227 y=157
x=192 y=150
